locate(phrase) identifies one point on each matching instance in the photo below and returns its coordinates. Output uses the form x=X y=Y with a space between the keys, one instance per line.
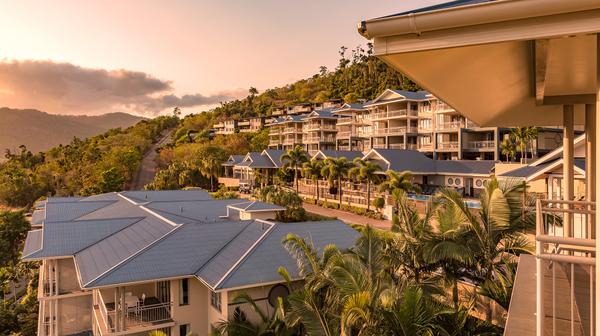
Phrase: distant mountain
x=40 y=131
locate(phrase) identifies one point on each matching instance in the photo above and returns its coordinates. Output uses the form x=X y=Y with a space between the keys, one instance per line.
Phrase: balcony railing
x=389 y=114
x=391 y=131
x=448 y=145
x=292 y=130
x=318 y=139
x=451 y=125
x=139 y=317
x=487 y=144
x=565 y=267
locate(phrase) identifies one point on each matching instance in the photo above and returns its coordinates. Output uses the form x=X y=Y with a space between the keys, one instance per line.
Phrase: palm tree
x=335 y=170
x=493 y=236
x=398 y=182
x=312 y=170
x=366 y=171
x=508 y=148
x=294 y=158
x=238 y=325
x=521 y=137
x=532 y=135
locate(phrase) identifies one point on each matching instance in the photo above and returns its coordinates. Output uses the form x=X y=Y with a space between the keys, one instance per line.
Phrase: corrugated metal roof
x=275 y=156
x=261 y=265
x=66 y=211
x=256 y=160
x=167 y=195
x=33 y=243
x=219 y=265
x=445 y=5
x=105 y=254
x=37 y=217
x=180 y=253
x=464 y=167
x=255 y=206
x=202 y=211
x=407 y=160
x=233 y=160
x=349 y=155
x=66 y=238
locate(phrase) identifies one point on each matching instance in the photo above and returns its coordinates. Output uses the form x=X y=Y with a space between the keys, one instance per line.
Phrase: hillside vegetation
x=40 y=131
x=101 y=163
x=358 y=76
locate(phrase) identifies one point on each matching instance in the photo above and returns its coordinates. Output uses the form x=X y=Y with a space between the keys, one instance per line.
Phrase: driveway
x=348 y=217
x=148 y=167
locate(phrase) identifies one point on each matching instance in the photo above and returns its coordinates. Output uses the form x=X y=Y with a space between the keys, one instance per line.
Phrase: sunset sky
x=144 y=57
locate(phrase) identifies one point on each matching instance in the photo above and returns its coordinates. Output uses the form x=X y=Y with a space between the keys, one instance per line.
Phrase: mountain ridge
x=40 y=131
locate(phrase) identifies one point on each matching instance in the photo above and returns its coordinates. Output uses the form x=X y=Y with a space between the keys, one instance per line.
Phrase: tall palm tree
x=335 y=170
x=294 y=158
x=366 y=171
x=312 y=170
x=398 y=182
x=508 y=148
x=532 y=135
x=520 y=134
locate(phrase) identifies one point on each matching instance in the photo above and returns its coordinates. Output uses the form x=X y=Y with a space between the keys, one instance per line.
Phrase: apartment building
x=131 y=262
x=353 y=125
x=519 y=63
x=250 y=125
x=286 y=132
x=319 y=130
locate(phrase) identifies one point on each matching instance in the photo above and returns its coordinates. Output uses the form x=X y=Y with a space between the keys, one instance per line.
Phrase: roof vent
x=180 y=209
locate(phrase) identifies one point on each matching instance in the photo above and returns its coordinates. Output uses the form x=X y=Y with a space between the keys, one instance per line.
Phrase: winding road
x=148 y=167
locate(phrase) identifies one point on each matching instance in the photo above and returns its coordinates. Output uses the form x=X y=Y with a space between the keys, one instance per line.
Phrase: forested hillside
x=101 y=163
x=40 y=131
x=195 y=153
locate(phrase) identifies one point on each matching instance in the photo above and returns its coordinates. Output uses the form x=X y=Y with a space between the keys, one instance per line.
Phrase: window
x=184 y=329
x=215 y=300
x=184 y=292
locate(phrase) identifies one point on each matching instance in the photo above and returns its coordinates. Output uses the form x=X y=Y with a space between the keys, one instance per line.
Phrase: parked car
x=245 y=188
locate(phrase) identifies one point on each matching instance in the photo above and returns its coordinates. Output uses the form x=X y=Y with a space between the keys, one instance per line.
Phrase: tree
x=293 y=159
x=210 y=160
x=398 y=182
x=366 y=171
x=336 y=169
x=111 y=180
x=521 y=137
x=13 y=230
x=508 y=148
x=312 y=170
x=493 y=236
x=177 y=112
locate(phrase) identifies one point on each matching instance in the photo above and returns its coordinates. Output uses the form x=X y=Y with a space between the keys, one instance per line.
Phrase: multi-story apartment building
x=319 y=130
x=353 y=125
x=286 y=132
x=251 y=124
x=132 y=262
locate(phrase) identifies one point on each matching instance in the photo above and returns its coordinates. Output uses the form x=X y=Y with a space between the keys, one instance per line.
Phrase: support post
x=540 y=314
x=596 y=171
x=590 y=163
x=568 y=162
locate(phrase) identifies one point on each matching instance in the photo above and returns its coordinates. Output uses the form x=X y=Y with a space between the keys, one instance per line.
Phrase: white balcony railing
x=389 y=114
x=451 y=125
x=565 y=267
x=487 y=144
x=448 y=145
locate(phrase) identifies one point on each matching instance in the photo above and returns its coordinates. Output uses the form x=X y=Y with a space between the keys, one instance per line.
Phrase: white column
x=590 y=160
x=596 y=171
x=568 y=162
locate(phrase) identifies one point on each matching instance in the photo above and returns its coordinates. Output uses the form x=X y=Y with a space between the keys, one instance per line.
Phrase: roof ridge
x=122 y=262
x=223 y=247
x=249 y=251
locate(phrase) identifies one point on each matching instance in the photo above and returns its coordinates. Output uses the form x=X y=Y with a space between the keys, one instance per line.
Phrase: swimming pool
x=473 y=204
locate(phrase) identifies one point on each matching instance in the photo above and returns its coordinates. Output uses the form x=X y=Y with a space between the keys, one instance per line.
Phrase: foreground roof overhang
x=500 y=63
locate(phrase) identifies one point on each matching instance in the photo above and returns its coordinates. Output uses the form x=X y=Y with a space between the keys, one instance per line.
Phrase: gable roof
x=398 y=95
x=349 y=155
x=172 y=239
x=256 y=160
x=532 y=172
x=234 y=159
x=275 y=156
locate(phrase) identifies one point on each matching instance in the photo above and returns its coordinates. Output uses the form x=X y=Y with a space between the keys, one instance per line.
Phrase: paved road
x=347 y=217
x=147 y=169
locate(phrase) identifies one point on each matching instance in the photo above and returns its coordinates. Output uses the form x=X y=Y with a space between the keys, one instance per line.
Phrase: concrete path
x=348 y=217
x=148 y=167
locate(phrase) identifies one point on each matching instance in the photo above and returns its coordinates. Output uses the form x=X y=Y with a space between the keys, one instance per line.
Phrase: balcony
x=481 y=145
x=426 y=147
x=319 y=127
x=389 y=114
x=448 y=145
x=317 y=139
x=136 y=316
x=292 y=130
x=402 y=146
x=450 y=126
x=565 y=259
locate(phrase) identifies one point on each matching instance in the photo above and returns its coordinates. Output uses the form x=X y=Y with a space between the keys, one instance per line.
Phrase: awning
x=503 y=63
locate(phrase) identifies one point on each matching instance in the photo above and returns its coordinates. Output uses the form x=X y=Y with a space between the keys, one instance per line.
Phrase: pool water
x=473 y=204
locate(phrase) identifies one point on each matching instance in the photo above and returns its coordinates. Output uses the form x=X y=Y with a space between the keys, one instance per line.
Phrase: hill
x=40 y=131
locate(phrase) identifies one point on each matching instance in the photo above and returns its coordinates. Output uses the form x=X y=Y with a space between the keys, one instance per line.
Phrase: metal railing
x=487 y=144
x=448 y=145
x=388 y=114
x=565 y=267
x=451 y=125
